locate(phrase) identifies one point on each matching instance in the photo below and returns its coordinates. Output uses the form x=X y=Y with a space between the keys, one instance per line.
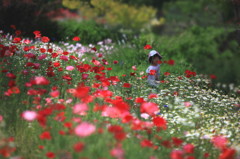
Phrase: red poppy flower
x=152 y=72
x=171 y=62
x=42 y=50
x=212 y=76
x=78 y=147
x=152 y=95
x=189 y=73
x=160 y=122
x=37 y=34
x=227 y=153
x=41 y=147
x=16 y=40
x=127 y=85
x=139 y=100
x=45 y=39
x=54 y=55
x=76 y=38
x=45 y=135
x=166 y=73
x=56 y=64
x=176 y=154
x=50 y=155
x=81 y=91
x=188 y=148
x=146 y=143
x=177 y=141
x=147 y=47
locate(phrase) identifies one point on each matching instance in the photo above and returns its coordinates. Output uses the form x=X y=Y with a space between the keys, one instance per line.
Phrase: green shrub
x=88 y=31
x=210 y=50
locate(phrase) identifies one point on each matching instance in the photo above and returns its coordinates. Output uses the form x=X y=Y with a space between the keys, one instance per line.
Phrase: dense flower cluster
x=74 y=108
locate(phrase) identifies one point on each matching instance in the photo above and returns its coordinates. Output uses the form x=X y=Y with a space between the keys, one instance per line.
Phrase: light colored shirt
x=151 y=78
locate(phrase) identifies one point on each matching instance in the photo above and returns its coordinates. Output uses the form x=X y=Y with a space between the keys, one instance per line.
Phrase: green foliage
x=188 y=13
x=209 y=50
x=88 y=31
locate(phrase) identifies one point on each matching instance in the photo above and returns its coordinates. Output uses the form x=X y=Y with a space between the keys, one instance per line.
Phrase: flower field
x=71 y=101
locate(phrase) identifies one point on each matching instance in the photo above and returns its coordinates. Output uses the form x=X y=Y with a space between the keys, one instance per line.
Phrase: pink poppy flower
x=55 y=93
x=29 y=115
x=40 y=80
x=149 y=107
x=117 y=152
x=85 y=129
x=80 y=108
x=70 y=68
x=188 y=148
x=1 y=118
x=187 y=104
x=176 y=154
x=219 y=141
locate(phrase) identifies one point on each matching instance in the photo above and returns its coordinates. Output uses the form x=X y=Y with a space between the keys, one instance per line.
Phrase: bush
x=88 y=31
x=210 y=50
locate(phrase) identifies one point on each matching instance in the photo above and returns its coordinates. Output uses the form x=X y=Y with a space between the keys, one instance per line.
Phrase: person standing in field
x=153 y=71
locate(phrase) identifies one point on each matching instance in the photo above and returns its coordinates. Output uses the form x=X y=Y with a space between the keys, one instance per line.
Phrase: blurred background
x=205 y=33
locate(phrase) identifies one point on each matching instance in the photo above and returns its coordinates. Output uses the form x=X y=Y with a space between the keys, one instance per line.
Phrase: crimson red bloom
x=147 y=47
x=45 y=39
x=50 y=155
x=16 y=40
x=78 y=147
x=176 y=154
x=160 y=122
x=166 y=73
x=146 y=143
x=189 y=73
x=171 y=62
x=212 y=76
x=152 y=72
x=37 y=34
x=45 y=135
x=227 y=153
x=177 y=141
x=76 y=38
x=139 y=100
x=81 y=91
x=127 y=85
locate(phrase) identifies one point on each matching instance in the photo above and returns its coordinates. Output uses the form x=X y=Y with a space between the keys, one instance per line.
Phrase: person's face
x=155 y=60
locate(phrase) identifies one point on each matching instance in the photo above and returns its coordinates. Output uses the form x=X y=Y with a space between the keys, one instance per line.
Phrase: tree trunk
x=236 y=5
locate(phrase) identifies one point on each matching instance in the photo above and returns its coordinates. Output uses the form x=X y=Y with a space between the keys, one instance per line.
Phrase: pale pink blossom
x=111 y=112
x=219 y=141
x=70 y=68
x=117 y=152
x=134 y=68
x=85 y=129
x=187 y=104
x=40 y=80
x=68 y=101
x=29 y=115
x=145 y=115
x=1 y=118
x=80 y=108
